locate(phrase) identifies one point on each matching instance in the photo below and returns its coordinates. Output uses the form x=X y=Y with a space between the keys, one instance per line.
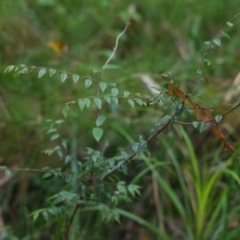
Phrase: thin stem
x=116 y=44
x=70 y=221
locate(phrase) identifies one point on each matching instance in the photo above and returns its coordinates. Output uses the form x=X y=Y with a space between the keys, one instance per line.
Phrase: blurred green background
x=78 y=37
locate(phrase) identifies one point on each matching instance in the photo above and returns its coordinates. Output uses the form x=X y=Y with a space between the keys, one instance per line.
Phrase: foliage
x=95 y=181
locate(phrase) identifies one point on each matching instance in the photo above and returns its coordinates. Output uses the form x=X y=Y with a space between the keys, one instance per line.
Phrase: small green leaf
x=75 y=78
x=225 y=35
x=59 y=121
x=81 y=104
x=107 y=98
x=229 y=24
x=103 y=86
x=45 y=215
x=97 y=133
x=3 y=167
x=100 y=120
x=115 y=100
x=63 y=76
x=207 y=42
x=51 y=130
x=98 y=102
x=52 y=72
x=7 y=172
x=202 y=127
x=54 y=137
x=207 y=61
x=35 y=215
x=217 y=41
x=139 y=101
x=88 y=83
x=131 y=103
x=65 y=110
x=218 y=118
x=199 y=72
x=126 y=94
x=195 y=124
x=87 y=102
x=47 y=175
x=41 y=72
x=9 y=68
x=114 y=91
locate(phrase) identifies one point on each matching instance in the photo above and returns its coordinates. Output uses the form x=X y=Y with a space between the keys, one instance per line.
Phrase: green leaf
x=126 y=94
x=41 y=72
x=75 y=78
x=59 y=121
x=217 y=41
x=3 y=167
x=88 y=83
x=52 y=72
x=115 y=100
x=103 y=86
x=63 y=76
x=100 y=120
x=199 y=72
x=195 y=124
x=54 y=137
x=225 y=35
x=218 y=118
x=207 y=42
x=202 y=127
x=87 y=102
x=9 y=68
x=97 y=133
x=45 y=215
x=7 y=172
x=107 y=98
x=131 y=103
x=81 y=104
x=47 y=175
x=98 y=102
x=65 y=110
x=114 y=91
x=230 y=24
x=207 y=61
x=139 y=101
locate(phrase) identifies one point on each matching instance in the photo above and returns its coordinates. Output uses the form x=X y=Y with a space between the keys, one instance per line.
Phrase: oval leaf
x=88 y=83
x=195 y=124
x=63 y=76
x=65 y=110
x=41 y=72
x=81 y=104
x=52 y=72
x=75 y=78
x=217 y=41
x=98 y=102
x=97 y=133
x=114 y=91
x=202 y=127
x=218 y=118
x=103 y=86
x=100 y=120
x=9 y=68
x=87 y=102
x=131 y=103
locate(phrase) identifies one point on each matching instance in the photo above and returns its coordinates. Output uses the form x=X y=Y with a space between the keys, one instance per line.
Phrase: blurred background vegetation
x=79 y=36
